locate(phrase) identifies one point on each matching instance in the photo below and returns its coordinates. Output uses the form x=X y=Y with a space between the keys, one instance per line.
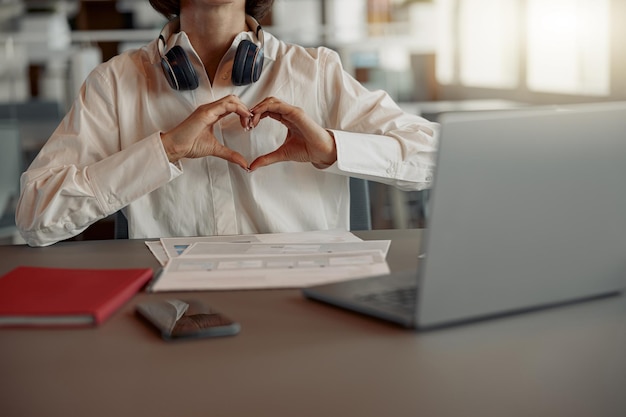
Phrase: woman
x=271 y=155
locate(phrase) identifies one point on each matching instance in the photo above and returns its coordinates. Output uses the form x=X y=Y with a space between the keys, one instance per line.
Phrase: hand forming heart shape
x=306 y=141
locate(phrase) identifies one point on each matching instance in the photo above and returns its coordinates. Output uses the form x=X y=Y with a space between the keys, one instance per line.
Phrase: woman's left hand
x=306 y=141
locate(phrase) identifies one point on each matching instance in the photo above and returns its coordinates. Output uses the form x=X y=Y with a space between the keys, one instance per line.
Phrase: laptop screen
x=528 y=209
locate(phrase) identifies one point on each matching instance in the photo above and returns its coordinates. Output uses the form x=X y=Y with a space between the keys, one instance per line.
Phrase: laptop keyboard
x=402 y=298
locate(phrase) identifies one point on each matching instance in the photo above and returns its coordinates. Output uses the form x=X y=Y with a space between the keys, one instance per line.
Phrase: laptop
x=527 y=211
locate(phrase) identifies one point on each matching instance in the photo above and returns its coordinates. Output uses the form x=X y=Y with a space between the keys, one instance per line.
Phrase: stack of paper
x=279 y=260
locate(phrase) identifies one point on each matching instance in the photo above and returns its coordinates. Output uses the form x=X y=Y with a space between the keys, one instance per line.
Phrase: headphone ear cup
x=248 y=63
x=178 y=70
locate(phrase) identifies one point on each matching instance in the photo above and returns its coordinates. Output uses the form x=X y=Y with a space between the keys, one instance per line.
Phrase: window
x=552 y=46
x=568 y=46
x=488 y=43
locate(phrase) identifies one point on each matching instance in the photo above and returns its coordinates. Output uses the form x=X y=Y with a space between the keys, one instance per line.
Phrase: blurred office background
x=431 y=56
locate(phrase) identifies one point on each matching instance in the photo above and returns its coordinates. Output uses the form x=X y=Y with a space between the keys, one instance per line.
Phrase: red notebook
x=36 y=296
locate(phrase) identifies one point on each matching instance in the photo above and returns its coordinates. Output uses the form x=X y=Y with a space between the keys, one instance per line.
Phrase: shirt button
x=225 y=76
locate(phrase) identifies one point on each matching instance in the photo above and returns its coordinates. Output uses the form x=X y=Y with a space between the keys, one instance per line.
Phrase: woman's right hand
x=194 y=137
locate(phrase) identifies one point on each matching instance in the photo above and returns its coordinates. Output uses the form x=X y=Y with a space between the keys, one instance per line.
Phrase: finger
x=223 y=107
x=245 y=115
x=270 y=107
x=237 y=108
x=266 y=102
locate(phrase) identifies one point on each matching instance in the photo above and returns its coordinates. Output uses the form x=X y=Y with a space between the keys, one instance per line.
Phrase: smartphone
x=186 y=319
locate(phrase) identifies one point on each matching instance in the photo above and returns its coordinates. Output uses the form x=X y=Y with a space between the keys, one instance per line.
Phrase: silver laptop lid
x=528 y=210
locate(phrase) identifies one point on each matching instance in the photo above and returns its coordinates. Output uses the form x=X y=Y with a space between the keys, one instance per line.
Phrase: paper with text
x=174 y=246
x=274 y=260
x=219 y=272
x=200 y=249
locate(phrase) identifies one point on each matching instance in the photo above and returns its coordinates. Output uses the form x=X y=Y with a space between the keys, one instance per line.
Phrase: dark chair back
x=360 y=209
x=121 y=226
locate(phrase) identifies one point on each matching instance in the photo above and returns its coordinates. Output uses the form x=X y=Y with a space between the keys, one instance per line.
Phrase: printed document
x=279 y=260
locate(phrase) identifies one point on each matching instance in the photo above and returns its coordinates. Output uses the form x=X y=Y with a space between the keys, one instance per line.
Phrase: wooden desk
x=298 y=358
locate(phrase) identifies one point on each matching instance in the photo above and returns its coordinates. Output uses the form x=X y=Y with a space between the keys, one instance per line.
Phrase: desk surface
x=295 y=357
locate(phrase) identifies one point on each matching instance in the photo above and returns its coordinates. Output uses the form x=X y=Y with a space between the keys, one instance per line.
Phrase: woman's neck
x=211 y=31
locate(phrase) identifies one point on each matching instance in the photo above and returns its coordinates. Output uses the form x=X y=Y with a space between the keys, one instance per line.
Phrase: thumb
x=231 y=156
x=270 y=158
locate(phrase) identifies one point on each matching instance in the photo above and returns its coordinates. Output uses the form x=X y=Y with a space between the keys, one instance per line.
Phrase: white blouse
x=107 y=153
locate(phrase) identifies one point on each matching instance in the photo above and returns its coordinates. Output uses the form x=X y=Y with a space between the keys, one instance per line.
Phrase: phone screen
x=181 y=319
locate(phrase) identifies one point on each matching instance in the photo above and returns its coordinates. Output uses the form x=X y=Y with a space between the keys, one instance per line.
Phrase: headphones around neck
x=247 y=65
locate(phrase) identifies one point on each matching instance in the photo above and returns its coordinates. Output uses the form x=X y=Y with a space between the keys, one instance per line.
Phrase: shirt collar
x=172 y=35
